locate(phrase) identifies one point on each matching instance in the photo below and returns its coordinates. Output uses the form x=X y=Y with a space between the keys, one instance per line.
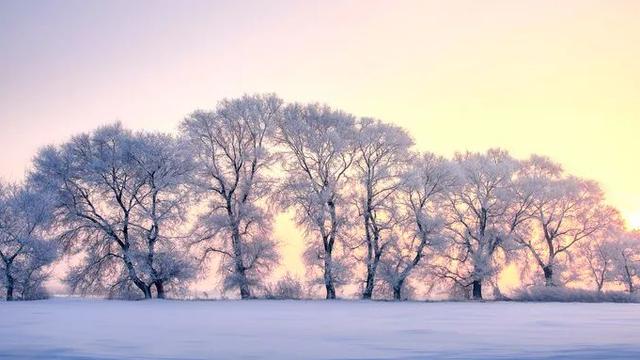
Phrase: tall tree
x=485 y=212
x=25 y=249
x=104 y=187
x=382 y=153
x=423 y=198
x=231 y=149
x=166 y=167
x=319 y=143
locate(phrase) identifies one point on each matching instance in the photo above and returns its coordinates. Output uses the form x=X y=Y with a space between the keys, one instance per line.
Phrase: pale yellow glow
x=509 y=278
x=634 y=220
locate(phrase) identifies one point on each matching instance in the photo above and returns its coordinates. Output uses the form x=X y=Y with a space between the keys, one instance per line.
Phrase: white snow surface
x=262 y=329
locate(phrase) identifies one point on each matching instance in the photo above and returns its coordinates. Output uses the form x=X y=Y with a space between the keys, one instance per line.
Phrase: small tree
x=626 y=259
x=25 y=249
x=598 y=256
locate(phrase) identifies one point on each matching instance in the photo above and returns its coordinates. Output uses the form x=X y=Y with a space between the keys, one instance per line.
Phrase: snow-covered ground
x=93 y=329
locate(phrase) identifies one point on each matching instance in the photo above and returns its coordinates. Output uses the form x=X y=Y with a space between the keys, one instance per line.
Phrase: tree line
x=144 y=213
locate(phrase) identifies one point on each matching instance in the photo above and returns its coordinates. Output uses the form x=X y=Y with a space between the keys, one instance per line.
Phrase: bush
x=286 y=288
x=562 y=294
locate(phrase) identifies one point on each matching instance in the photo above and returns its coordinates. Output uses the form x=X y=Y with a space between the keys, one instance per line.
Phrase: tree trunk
x=328 y=250
x=368 y=288
x=245 y=293
x=146 y=290
x=397 y=291
x=328 y=277
x=160 y=289
x=151 y=245
x=9 y=287
x=396 y=294
x=239 y=269
x=548 y=275
x=331 y=291
x=371 y=276
x=629 y=279
x=477 y=289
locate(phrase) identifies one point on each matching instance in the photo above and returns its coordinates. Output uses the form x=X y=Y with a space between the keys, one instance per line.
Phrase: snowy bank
x=95 y=329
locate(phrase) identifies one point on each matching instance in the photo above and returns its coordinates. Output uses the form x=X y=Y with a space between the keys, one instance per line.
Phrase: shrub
x=563 y=294
x=288 y=287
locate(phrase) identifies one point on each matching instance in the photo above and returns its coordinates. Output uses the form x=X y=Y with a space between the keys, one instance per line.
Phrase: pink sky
x=555 y=78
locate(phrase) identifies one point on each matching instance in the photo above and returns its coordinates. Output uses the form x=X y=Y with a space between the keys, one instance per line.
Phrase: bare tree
x=423 y=198
x=485 y=212
x=319 y=146
x=382 y=154
x=626 y=259
x=25 y=250
x=230 y=147
x=565 y=210
x=105 y=185
x=166 y=167
x=598 y=256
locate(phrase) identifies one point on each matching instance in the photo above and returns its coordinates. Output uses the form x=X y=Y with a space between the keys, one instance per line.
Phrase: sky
x=557 y=78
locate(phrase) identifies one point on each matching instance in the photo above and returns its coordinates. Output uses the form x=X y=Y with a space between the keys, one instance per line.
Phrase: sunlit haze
x=558 y=78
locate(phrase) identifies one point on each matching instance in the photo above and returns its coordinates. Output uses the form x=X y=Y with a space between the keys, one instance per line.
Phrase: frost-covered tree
x=117 y=198
x=626 y=259
x=165 y=166
x=598 y=257
x=565 y=210
x=25 y=247
x=423 y=198
x=319 y=143
x=230 y=146
x=485 y=213
x=382 y=153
